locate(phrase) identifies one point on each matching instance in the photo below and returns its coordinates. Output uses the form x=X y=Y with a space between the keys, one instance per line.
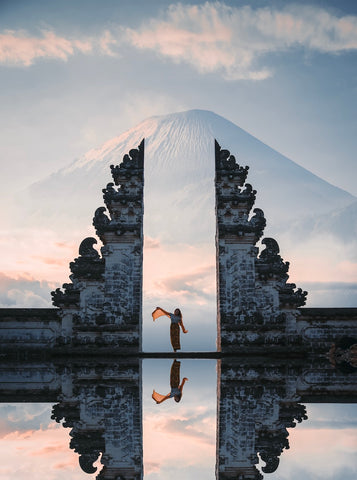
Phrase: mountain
x=313 y=221
x=179 y=173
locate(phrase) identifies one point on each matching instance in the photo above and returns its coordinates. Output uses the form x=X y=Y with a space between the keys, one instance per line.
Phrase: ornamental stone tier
x=258 y=401
x=256 y=305
x=102 y=305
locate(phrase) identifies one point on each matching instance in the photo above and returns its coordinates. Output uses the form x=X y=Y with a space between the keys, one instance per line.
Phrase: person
x=176 y=387
x=176 y=323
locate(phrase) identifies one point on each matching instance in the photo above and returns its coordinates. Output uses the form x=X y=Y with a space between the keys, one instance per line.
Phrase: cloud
x=50 y=260
x=188 y=427
x=151 y=242
x=22 y=418
x=195 y=284
x=54 y=448
x=151 y=467
x=326 y=454
x=25 y=291
x=44 y=253
x=18 y=47
x=211 y=37
x=214 y=37
x=65 y=245
x=71 y=464
x=42 y=450
x=163 y=277
x=180 y=439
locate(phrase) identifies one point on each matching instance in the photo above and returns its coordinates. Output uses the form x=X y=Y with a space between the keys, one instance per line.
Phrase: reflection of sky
x=33 y=446
x=179 y=438
x=322 y=447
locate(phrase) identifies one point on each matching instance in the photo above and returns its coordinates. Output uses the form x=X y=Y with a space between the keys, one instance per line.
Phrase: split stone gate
x=101 y=309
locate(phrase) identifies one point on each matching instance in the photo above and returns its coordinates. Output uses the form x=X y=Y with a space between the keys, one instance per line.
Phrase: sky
x=74 y=74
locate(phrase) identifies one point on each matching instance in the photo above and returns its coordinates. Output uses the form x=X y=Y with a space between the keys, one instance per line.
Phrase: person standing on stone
x=176 y=323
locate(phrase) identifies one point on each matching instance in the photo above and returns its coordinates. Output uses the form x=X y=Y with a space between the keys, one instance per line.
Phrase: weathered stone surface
x=258 y=401
x=102 y=306
x=256 y=305
x=35 y=328
x=100 y=402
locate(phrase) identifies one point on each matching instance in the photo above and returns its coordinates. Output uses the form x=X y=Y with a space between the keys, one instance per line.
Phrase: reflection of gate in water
x=100 y=402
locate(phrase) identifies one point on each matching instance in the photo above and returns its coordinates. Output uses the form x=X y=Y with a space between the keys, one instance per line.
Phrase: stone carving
x=88 y=265
x=256 y=406
x=102 y=306
x=104 y=412
x=69 y=298
x=131 y=166
x=100 y=221
x=226 y=165
x=270 y=265
x=343 y=354
x=290 y=297
x=252 y=292
x=125 y=203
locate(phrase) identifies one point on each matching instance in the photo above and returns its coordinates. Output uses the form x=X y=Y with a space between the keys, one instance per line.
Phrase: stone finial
x=132 y=165
x=86 y=248
x=67 y=299
x=270 y=265
x=100 y=221
x=233 y=203
x=227 y=166
x=88 y=265
x=289 y=297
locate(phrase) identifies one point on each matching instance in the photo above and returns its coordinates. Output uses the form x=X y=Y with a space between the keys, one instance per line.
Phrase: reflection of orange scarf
x=158 y=312
x=158 y=397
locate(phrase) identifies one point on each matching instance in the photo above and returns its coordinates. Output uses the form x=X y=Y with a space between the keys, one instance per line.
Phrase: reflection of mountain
x=179 y=168
x=101 y=403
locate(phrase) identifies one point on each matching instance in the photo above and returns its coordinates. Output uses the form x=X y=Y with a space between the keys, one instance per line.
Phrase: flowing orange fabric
x=158 y=397
x=158 y=312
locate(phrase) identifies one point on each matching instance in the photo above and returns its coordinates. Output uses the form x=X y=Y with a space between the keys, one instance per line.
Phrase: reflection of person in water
x=176 y=323
x=176 y=387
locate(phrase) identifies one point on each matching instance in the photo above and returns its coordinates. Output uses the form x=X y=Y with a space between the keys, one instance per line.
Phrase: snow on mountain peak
x=179 y=162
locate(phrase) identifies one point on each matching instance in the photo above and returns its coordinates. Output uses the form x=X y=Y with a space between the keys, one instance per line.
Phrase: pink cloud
x=40 y=253
x=166 y=442
x=179 y=271
x=50 y=261
x=151 y=467
x=67 y=245
x=42 y=451
x=216 y=37
x=326 y=452
x=197 y=283
x=21 y=48
x=49 y=449
x=151 y=242
x=65 y=465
